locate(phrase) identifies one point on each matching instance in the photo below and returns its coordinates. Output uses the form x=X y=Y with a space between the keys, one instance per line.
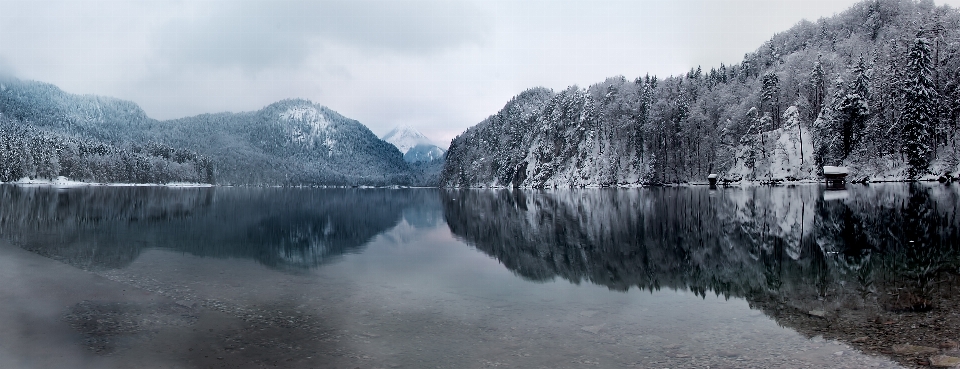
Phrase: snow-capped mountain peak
x=406 y=138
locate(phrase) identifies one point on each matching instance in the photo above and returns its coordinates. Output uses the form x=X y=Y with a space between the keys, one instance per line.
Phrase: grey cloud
x=260 y=33
x=6 y=69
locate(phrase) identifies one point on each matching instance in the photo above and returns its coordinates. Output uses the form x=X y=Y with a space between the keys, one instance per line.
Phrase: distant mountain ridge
x=414 y=145
x=290 y=142
x=405 y=138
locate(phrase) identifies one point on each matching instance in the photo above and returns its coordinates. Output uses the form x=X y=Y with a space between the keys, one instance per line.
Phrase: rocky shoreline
x=916 y=335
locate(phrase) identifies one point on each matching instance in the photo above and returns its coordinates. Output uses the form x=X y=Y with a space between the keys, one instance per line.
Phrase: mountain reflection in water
x=732 y=242
x=868 y=265
x=108 y=227
x=874 y=266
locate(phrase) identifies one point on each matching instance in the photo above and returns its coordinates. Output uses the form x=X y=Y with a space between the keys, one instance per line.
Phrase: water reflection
x=868 y=264
x=732 y=242
x=873 y=266
x=104 y=228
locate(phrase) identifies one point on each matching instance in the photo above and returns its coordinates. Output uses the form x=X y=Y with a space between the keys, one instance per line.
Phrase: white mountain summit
x=413 y=144
x=405 y=138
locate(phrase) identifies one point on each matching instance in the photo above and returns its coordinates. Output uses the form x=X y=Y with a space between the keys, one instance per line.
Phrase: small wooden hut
x=835 y=176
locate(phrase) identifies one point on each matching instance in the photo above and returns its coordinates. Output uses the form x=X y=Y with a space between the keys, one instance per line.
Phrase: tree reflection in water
x=874 y=265
x=863 y=264
x=105 y=228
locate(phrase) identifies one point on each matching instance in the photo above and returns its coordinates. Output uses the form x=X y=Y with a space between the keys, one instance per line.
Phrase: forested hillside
x=874 y=88
x=46 y=133
x=30 y=152
x=291 y=142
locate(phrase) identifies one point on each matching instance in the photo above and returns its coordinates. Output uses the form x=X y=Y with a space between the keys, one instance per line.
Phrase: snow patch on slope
x=785 y=153
x=310 y=125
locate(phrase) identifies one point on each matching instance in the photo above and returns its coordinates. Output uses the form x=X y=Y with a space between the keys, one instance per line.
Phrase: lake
x=689 y=277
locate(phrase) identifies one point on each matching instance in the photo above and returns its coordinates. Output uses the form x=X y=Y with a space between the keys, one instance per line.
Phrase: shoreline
x=64 y=183
x=736 y=184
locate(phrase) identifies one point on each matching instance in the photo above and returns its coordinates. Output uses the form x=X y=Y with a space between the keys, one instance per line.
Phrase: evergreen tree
x=828 y=132
x=643 y=116
x=818 y=89
x=861 y=83
x=770 y=96
x=852 y=113
x=919 y=109
x=854 y=109
x=751 y=140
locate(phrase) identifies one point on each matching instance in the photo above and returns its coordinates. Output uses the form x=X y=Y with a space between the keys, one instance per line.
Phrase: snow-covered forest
x=46 y=133
x=874 y=88
x=28 y=152
x=290 y=142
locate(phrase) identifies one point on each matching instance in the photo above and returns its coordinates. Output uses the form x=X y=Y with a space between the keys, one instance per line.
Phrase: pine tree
x=919 y=109
x=852 y=113
x=643 y=117
x=861 y=85
x=751 y=139
x=818 y=89
x=828 y=135
x=770 y=96
x=854 y=109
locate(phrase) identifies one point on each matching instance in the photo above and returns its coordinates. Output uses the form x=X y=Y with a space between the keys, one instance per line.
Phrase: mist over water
x=665 y=277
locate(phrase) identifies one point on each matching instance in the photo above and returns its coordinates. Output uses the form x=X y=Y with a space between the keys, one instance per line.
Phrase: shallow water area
x=416 y=278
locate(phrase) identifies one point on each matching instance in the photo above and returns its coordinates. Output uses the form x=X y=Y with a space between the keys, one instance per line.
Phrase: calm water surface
x=765 y=277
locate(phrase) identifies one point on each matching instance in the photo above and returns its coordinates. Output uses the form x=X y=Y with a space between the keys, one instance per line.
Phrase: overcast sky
x=440 y=66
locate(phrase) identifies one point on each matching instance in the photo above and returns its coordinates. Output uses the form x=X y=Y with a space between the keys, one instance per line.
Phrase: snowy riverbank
x=64 y=182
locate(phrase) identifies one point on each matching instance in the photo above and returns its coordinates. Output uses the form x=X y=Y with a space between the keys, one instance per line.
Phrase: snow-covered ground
x=64 y=182
x=783 y=154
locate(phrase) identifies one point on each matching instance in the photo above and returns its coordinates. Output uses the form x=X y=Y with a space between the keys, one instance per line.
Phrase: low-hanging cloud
x=438 y=65
x=256 y=34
